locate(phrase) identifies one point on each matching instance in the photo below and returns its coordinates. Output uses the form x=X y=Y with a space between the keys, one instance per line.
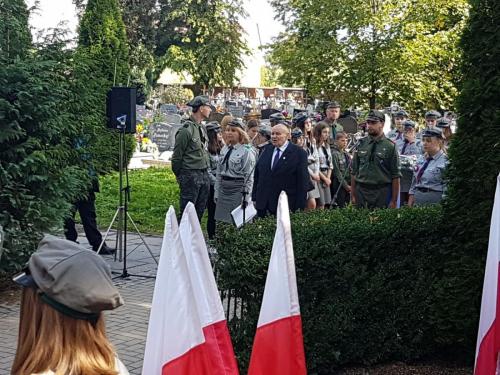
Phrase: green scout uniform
x=190 y=163
x=375 y=165
x=341 y=177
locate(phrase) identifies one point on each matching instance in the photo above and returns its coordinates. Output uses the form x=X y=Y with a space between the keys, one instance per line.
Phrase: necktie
x=276 y=158
x=399 y=136
x=422 y=169
x=404 y=147
x=226 y=157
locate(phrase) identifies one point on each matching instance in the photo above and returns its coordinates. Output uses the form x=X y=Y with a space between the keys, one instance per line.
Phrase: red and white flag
x=175 y=341
x=278 y=347
x=219 y=347
x=488 y=338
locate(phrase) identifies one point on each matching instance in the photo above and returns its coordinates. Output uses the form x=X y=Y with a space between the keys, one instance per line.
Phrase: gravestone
x=236 y=111
x=163 y=135
x=168 y=108
x=265 y=113
x=172 y=118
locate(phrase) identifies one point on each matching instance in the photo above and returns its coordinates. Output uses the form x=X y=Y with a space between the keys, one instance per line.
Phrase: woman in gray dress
x=428 y=185
x=234 y=171
x=322 y=135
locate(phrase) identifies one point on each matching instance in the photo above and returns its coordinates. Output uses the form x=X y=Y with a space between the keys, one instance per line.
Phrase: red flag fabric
x=278 y=347
x=488 y=338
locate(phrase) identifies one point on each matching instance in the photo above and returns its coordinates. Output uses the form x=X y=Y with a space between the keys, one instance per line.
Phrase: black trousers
x=211 y=224
x=86 y=209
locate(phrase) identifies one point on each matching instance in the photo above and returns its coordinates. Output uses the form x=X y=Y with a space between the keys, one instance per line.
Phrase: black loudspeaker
x=120 y=102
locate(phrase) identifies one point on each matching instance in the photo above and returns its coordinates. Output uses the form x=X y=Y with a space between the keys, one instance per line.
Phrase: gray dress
x=234 y=174
x=429 y=187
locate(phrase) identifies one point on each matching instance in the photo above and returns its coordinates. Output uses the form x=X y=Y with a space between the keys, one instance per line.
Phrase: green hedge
x=370 y=285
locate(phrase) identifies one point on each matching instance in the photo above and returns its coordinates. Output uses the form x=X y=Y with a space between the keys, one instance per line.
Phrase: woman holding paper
x=234 y=171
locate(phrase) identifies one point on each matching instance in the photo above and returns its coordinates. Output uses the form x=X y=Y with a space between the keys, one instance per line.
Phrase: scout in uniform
x=375 y=168
x=397 y=134
x=341 y=172
x=445 y=125
x=190 y=160
x=428 y=185
x=234 y=171
x=409 y=151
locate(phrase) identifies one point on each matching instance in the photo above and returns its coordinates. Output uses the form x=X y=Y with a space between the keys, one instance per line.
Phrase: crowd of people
x=227 y=164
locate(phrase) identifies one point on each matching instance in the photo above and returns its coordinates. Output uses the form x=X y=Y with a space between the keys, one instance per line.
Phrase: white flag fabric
x=175 y=340
x=278 y=347
x=488 y=337
x=210 y=310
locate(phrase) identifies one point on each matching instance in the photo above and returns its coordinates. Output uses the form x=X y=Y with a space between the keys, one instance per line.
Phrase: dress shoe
x=105 y=250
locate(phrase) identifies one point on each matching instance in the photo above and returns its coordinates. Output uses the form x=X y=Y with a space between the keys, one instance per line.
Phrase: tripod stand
x=122 y=215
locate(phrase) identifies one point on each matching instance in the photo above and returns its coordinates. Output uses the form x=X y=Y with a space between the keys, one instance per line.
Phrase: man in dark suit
x=282 y=166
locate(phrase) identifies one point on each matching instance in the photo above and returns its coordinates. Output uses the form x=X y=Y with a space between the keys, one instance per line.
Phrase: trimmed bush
x=368 y=284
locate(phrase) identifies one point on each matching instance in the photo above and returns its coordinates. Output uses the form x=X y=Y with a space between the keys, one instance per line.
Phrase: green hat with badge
x=199 y=101
x=375 y=115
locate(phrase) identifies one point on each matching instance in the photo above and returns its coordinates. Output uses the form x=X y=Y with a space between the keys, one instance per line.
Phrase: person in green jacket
x=376 y=169
x=190 y=160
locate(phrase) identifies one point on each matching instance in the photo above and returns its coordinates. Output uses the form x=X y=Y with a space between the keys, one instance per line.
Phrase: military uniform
x=375 y=165
x=190 y=162
x=341 y=175
x=234 y=174
x=428 y=186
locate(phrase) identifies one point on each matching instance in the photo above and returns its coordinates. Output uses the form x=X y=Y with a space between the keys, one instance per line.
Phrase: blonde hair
x=244 y=137
x=225 y=120
x=49 y=340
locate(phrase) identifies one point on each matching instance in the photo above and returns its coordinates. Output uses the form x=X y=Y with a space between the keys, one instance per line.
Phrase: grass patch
x=152 y=192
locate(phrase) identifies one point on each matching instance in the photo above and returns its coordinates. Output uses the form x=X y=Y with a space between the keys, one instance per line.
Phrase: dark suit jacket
x=289 y=175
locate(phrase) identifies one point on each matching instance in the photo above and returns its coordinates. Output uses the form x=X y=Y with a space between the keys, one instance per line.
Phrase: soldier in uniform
x=397 y=134
x=234 y=171
x=375 y=168
x=190 y=159
x=341 y=172
x=428 y=185
x=445 y=125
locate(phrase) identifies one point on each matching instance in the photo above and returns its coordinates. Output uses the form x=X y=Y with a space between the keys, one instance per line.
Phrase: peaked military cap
x=375 y=115
x=237 y=122
x=401 y=113
x=434 y=132
x=409 y=124
x=443 y=123
x=432 y=114
x=213 y=126
x=200 y=100
x=333 y=104
x=296 y=133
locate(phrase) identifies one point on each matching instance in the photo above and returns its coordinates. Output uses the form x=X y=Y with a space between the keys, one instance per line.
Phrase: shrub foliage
x=369 y=284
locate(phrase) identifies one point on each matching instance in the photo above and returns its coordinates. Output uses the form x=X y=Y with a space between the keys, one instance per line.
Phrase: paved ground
x=126 y=326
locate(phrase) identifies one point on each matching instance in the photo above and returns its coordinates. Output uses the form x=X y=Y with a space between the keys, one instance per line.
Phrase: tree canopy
x=372 y=52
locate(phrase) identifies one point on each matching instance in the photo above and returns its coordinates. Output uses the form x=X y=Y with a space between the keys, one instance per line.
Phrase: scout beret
x=213 y=126
x=434 y=132
x=296 y=133
x=275 y=117
x=443 y=123
x=300 y=118
x=73 y=280
x=409 y=124
x=237 y=122
x=432 y=114
x=265 y=130
x=401 y=113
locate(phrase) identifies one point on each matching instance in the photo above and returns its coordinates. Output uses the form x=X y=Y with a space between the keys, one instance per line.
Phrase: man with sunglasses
x=376 y=169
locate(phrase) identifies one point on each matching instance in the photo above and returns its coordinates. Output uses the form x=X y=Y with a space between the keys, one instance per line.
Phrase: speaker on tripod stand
x=121 y=113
